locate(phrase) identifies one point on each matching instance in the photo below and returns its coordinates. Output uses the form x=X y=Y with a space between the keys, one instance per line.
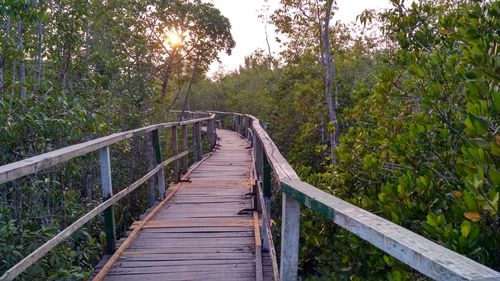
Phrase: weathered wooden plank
x=194 y=222
x=176 y=253
x=200 y=229
x=258 y=248
x=187 y=235
x=225 y=268
x=193 y=276
x=132 y=264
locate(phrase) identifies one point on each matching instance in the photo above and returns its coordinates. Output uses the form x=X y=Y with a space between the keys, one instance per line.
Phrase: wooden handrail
x=40 y=162
x=427 y=257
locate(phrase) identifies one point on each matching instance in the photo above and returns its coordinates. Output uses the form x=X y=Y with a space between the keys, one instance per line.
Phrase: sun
x=173 y=39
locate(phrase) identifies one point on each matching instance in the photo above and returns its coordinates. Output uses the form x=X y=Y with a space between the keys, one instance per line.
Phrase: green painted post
x=185 y=147
x=175 y=151
x=107 y=192
x=266 y=178
x=158 y=158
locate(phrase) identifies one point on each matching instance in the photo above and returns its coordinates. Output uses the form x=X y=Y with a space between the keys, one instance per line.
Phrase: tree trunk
x=168 y=72
x=64 y=70
x=38 y=55
x=20 y=47
x=2 y=63
x=330 y=71
x=190 y=85
x=4 y=56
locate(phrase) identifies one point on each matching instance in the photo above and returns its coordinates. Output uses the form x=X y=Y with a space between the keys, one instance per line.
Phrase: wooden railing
x=38 y=163
x=429 y=258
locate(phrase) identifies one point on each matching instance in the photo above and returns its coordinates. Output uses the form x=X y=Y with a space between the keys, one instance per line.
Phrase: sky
x=248 y=30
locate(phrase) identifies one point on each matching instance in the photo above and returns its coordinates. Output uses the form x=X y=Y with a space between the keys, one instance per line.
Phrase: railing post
x=175 y=151
x=260 y=172
x=290 y=224
x=210 y=132
x=158 y=158
x=197 y=141
x=107 y=192
x=213 y=134
x=185 y=148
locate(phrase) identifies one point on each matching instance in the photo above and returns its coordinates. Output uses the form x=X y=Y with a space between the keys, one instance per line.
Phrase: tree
x=194 y=33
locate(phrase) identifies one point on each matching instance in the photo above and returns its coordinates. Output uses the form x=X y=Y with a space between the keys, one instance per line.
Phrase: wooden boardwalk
x=206 y=231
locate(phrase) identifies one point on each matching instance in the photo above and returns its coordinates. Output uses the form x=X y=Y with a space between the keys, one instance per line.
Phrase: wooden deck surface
x=206 y=231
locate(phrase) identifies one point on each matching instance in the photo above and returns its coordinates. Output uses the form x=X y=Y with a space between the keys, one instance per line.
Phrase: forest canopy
x=397 y=114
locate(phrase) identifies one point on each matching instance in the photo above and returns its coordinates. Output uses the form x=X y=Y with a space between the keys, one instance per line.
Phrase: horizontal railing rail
x=422 y=254
x=38 y=163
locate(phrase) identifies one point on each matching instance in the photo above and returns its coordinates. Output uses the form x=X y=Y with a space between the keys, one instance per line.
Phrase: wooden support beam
x=158 y=158
x=290 y=225
x=175 y=150
x=210 y=133
x=185 y=147
x=107 y=192
x=197 y=141
x=258 y=157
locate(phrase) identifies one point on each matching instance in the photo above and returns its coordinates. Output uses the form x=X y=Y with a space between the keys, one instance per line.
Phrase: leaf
x=457 y=194
x=465 y=228
x=432 y=219
x=473 y=216
x=443 y=31
x=496 y=100
x=494 y=176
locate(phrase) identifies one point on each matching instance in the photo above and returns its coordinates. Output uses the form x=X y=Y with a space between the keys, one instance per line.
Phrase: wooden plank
x=194 y=222
x=175 y=253
x=418 y=252
x=226 y=268
x=132 y=264
x=258 y=248
x=193 y=276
